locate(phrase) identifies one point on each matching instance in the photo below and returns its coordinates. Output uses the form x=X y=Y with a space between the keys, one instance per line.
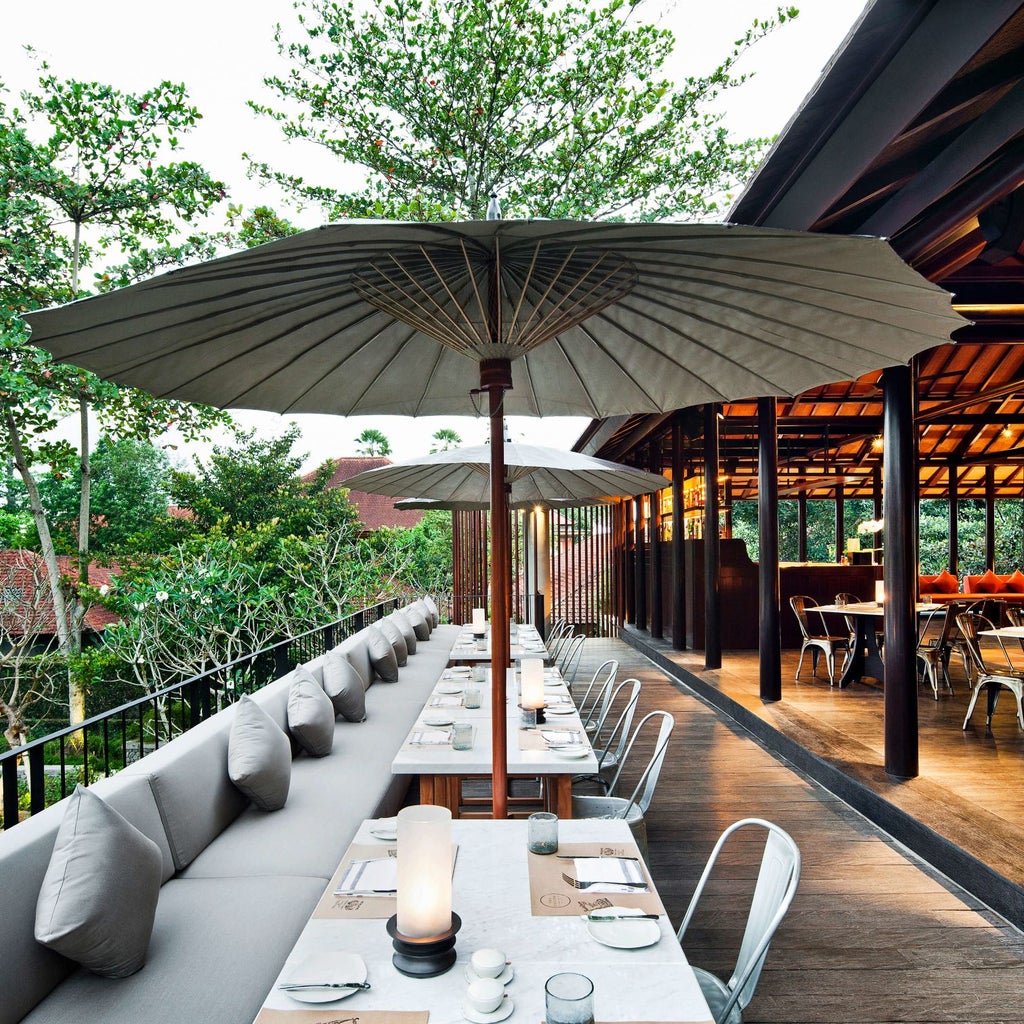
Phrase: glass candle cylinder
x=879 y=591
x=479 y=620
x=569 y=999
x=424 y=871
x=531 y=687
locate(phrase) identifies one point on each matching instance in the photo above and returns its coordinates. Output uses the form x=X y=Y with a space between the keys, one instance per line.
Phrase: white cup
x=488 y=963
x=485 y=994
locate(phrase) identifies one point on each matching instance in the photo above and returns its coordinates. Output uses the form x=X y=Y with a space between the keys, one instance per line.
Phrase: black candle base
x=423 y=958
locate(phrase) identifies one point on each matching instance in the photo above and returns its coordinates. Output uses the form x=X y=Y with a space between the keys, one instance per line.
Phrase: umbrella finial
x=493 y=209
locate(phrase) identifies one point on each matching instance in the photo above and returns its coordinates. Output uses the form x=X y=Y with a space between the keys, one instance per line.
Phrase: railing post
x=281 y=660
x=10 y=792
x=37 y=779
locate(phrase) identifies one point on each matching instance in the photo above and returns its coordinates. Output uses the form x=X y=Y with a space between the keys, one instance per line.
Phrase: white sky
x=222 y=49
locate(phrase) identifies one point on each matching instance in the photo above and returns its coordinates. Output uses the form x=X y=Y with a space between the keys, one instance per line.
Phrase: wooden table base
x=554 y=793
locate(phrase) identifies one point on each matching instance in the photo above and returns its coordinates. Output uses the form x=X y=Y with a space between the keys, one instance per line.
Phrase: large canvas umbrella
x=545 y=317
x=534 y=474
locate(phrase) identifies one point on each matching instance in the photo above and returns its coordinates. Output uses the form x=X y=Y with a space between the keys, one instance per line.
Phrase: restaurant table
x=528 y=644
x=491 y=894
x=865 y=660
x=442 y=770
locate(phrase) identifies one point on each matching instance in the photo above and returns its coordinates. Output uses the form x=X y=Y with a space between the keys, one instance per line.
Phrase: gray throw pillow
x=421 y=607
x=404 y=623
x=344 y=687
x=397 y=638
x=435 y=612
x=259 y=756
x=98 y=899
x=419 y=622
x=310 y=715
x=382 y=654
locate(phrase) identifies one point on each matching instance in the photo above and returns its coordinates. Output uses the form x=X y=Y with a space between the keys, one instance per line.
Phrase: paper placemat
x=535 y=739
x=429 y=738
x=552 y=896
x=333 y=1015
x=332 y=906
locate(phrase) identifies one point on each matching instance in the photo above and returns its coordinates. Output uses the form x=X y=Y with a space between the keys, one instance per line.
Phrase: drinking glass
x=569 y=999
x=542 y=832
x=462 y=736
x=471 y=697
x=479 y=673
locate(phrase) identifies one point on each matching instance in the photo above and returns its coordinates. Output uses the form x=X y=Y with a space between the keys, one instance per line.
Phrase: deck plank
x=874 y=933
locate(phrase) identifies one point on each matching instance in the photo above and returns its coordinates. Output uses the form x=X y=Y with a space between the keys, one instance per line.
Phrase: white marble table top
x=443 y=760
x=491 y=895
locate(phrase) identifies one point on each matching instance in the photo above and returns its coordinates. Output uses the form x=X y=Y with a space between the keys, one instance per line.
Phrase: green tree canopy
x=372 y=442
x=564 y=110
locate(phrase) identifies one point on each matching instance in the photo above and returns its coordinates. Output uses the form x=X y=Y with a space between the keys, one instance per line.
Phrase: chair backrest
x=988 y=654
x=643 y=794
x=948 y=622
x=777 y=879
x=570 y=661
x=844 y=598
x=1015 y=613
x=557 y=638
x=604 y=675
x=614 y=743
x=799 y=603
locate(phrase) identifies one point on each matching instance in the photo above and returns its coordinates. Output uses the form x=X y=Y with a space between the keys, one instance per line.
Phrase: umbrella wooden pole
x=496 y=379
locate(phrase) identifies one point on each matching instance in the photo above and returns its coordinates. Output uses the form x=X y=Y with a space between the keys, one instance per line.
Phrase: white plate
x=505 y=977
x=624 y=933
x=560 y=709
x=447 y=689
x=571 y=753
x=458 y=670
x=325 y=967
x=501 y=1013
x=385 y=828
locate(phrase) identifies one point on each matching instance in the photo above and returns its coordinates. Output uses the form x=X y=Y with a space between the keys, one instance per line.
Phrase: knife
x=592 y=856
x=599 y=916
x=297 y=986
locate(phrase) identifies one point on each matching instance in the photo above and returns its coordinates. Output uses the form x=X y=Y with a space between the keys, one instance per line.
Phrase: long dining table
x=511 y=900
x=427 y=750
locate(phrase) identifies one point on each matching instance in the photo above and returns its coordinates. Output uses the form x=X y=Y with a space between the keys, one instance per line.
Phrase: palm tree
x=444 y=439
x=372 y=442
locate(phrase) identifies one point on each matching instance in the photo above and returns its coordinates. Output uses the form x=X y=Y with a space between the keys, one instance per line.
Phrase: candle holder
x=425 y=957
x=541 y=717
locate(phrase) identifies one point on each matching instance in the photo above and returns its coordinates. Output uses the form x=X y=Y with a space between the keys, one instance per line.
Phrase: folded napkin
x=445 y=701
x=379 y=876
x=607 y=871
x=430 y=738
x=561 y=737
x=557 y=698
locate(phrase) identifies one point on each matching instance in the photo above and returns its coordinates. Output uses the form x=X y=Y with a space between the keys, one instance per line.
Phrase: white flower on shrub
x=162 y=595
x=140 y=606
x=104 y=590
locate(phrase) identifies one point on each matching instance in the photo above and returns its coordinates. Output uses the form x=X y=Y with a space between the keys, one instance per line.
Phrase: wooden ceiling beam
x=944 y=40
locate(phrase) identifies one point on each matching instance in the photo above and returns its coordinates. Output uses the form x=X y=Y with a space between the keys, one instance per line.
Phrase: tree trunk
x=45 y=540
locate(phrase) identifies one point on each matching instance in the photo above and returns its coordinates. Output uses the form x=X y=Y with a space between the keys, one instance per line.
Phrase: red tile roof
x=375 y=510
x=22 y=571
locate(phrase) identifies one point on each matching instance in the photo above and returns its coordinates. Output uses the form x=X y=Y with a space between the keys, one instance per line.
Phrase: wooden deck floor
x=874 y=934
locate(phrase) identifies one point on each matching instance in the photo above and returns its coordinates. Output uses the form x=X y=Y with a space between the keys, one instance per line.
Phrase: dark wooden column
x=657 y=616
x=990 y=517
x=727 y=512
x=876 y=490
x=954 y=518
x=769 y=614
x=901 y=739
x=629 y=576
x=640 y=563
x=840 y=521
x=678 y=535
x=801 y=527
x=712 y=591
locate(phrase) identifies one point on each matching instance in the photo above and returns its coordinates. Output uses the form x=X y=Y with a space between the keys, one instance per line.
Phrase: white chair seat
x=596 y=806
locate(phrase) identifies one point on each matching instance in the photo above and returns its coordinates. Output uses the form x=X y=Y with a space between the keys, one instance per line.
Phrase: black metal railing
x=107 y=742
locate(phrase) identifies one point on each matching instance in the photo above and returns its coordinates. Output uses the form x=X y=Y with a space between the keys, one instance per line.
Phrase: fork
x=577 y=884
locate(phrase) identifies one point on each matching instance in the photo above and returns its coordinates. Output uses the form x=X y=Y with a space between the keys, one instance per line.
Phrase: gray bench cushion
x=217 y=946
